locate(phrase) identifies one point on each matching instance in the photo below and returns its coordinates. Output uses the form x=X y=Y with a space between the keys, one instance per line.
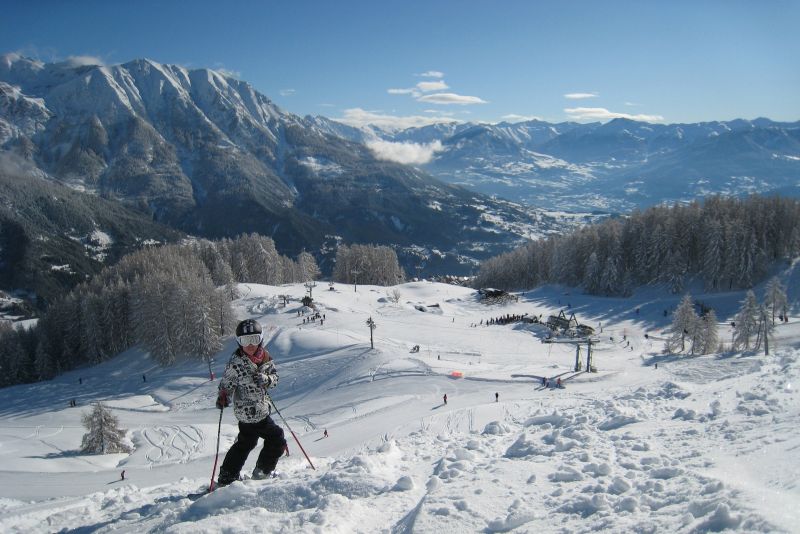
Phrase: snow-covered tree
x=307 y=267
x=729 y=242
x=684 y=325
x=610 y=281
x=706 y=338
x=712 y=255
x=675 y=271
x=775 y=298
x=746 y=322
x=765 y=328
x=592 y=276
x=367 y=264
x=104 y=435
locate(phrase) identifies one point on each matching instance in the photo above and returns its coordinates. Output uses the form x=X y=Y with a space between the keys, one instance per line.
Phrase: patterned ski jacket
x=246 y=383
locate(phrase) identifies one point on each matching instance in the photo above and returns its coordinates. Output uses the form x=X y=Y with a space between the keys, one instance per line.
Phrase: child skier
x=248 y=374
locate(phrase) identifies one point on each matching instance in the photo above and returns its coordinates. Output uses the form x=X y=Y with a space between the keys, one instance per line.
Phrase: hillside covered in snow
x=648 y=443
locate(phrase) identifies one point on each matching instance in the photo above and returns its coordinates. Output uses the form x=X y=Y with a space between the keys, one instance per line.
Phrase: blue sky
x=413 y=62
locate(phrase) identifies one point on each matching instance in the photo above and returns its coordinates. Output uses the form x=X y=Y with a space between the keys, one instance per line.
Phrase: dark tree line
x=728 y=242
x=173 y=300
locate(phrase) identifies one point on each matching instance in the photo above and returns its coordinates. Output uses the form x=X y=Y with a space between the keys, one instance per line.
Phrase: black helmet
x=248 y=332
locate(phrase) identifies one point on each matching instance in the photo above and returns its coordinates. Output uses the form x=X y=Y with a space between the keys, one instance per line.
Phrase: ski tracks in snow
x=172 y=444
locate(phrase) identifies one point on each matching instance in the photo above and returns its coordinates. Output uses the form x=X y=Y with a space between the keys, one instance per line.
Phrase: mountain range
x=197 y=152
x=207 y=155
x=614 y=167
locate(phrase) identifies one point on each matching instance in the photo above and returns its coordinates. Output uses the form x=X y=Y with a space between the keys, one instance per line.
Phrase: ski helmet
x=248 y=332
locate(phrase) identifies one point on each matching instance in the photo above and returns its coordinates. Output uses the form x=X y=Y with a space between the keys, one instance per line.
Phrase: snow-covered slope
x=697 y=444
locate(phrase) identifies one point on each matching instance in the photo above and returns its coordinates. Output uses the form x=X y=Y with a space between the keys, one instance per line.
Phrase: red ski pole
x=216 y=455
x=290 y=430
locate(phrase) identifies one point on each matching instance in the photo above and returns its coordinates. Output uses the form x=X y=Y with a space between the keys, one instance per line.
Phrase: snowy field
x=696 y=444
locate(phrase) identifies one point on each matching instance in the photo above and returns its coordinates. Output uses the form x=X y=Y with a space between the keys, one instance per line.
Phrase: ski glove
x=265 y=381
x=222 y=400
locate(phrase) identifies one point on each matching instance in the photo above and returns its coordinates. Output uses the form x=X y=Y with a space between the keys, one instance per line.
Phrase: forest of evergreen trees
x=729 y=243
x=172 y=300
x=367 y=264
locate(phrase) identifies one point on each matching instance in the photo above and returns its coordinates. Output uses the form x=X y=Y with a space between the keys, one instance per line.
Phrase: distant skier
x=123 y=475
x=325 y=434
x=445 y=398
x=144 y=378
x=496 y=397
x=248 y=374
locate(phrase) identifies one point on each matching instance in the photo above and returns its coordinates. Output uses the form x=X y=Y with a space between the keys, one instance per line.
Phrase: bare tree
x=394 y=295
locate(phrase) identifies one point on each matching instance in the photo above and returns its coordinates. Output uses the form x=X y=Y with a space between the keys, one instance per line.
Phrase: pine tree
x=746 y=322
x=765 y=328
x=775 y=298
x=610 y=280
x=684 y=324
x=104 y=435
x=712 y=257
x=707 y=336
x=307 y=267
x=10 y=354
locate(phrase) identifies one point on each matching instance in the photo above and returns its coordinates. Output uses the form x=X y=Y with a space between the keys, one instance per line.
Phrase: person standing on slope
x=248 y=374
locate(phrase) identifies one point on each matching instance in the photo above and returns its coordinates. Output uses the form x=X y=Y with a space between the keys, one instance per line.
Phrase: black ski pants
x=246 y=441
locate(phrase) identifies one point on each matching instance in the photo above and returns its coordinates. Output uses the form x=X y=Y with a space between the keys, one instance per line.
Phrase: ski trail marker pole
x=290 y=430
x=216 y=455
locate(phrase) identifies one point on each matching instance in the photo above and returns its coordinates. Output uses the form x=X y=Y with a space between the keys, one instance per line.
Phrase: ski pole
x=216 y=455
x=290 y=430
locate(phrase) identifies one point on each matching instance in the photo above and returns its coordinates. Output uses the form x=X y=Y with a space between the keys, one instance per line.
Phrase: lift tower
x=578 y=342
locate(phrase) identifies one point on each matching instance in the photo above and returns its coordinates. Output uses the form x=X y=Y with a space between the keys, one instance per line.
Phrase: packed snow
x=692 y=444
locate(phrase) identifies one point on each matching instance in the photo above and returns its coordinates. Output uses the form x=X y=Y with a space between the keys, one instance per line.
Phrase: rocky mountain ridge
x=208 y=155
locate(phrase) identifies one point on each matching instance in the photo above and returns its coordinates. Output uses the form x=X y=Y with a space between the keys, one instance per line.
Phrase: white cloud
x=431 y=74
x=287 y=92
x=451 y=98
x=361 y=117
x=513 y=117
x=632 y=104
x=432 y=86
x=82 y=61
x=580 y=96
x=601 y=114
x=420 y=88
x=406 y=153
x=219 y=67
x=230 y=73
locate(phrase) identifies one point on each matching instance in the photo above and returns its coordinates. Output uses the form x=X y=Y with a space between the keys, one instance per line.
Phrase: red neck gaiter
x=259 y=357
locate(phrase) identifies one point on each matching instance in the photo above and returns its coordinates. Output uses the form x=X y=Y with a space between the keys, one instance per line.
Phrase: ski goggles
x=249 y=339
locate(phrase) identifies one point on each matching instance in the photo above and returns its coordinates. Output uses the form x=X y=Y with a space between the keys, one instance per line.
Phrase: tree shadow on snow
x=58 y=455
